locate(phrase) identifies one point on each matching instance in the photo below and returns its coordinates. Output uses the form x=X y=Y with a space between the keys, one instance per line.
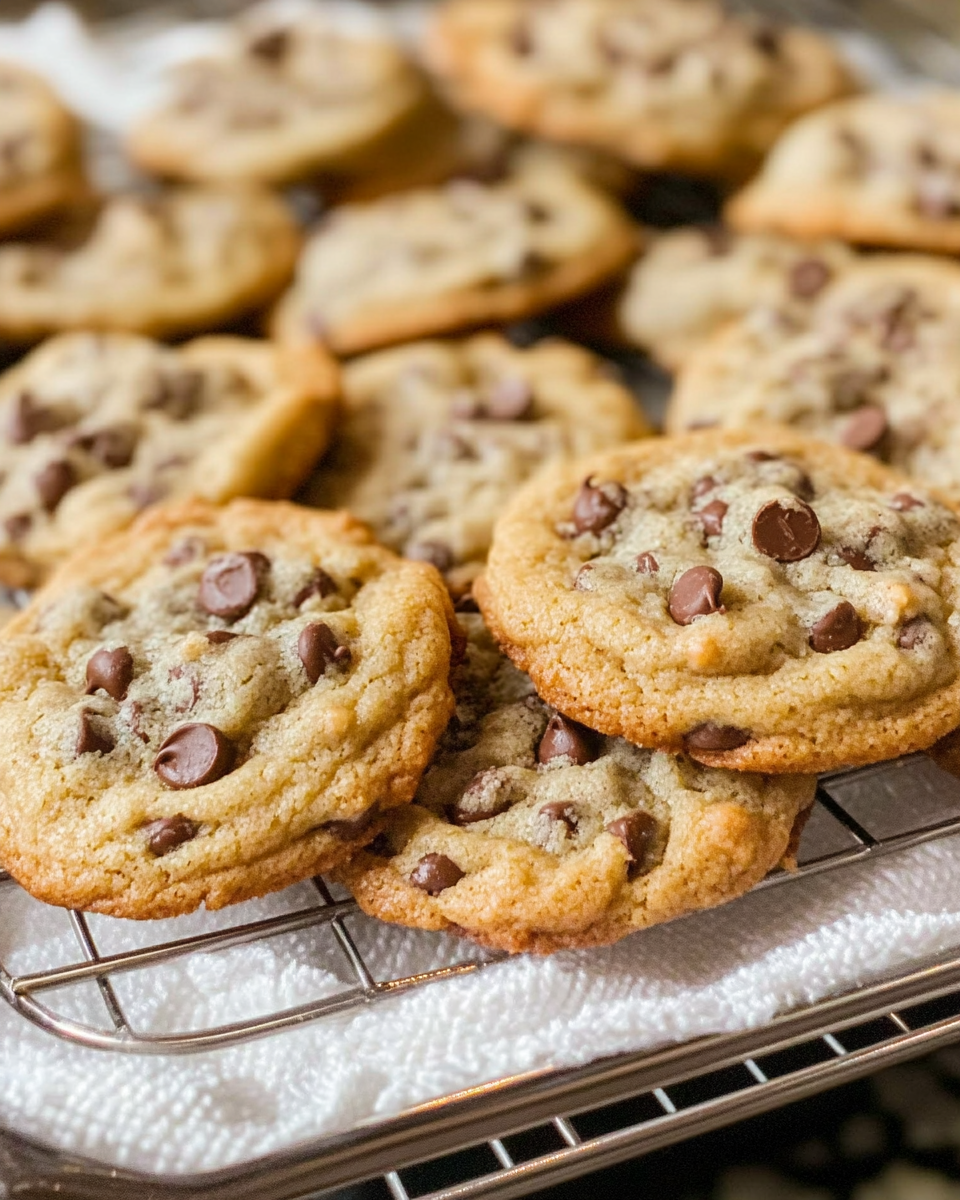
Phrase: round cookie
x=873 y=363
x=879 y=169
x=468 y=253
x=219 y=702
x=184 y=260
x=762 y=600
x=287 y=100
x=95 y=427
x=437 y=436
x=530 y=833
x=664 y=84
x=39 y=149
x=692 y=281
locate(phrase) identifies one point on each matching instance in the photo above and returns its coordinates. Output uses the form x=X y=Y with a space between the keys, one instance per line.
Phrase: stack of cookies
x=319 y=591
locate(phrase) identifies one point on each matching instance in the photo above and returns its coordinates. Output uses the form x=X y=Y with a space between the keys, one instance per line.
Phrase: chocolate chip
x=486 y=796
x=111 y=670
x=434 y=873
x=354 y=827
x=113 y=446
x=766 y=38
x=177 y=395
x=319 y=584
x=636 y=830
x=707 y=484
x=318 y=649
x=271 y=46
x=381 y=846
x=564 y=738
x=718 y=238
x=904 y=502
x=581 y=581
x=762 y=456
x=711 y=736
x=856 y=558
x=27 y=419
x=646 y=564
x=914 y=633
x=89 y=739
x=466 y=604
x=560 y=810
x=216 y=637
x=597 y=506
x=839 y=629
x=808 y=277
x=437 y=554
x=786 y=531
x=852 y=387
x=230 y=584
x=167 y=833
x=18 y=526
x=53 y=482
x=521 y=39
x=711 y=517
x=194 y=755
x=865 y=429
x=695 y=593
x=510 y=400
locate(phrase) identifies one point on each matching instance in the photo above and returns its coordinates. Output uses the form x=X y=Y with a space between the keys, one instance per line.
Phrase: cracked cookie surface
x=95 y=427
x=761 y=600
x=531 y=833
x=441 y=259
x=437 y=436
x=220 y=702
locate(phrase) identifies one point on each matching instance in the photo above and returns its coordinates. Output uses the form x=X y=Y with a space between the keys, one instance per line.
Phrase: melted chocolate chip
x=646 y=564
x=89 y=739
x=856 y=558
x=216 y=637
x=914 y=633
x=711 y=517
x=319 y=584
x=112 y=447
x=318 y=649
x=808 y=277
x=437 y=554
x=194 y=755
x=111 y=670
x=866 y=428
x=839 y=629
x=434 y=873
x=786 y=532
x=53 y=482
x=28 y=419
x=597 y=506
x=487 y=795
x=167 y=833
x=695 y=593
x=636 y=830
x=712 y=737
x=230 y=584
x=564 y=738
x=560 y=810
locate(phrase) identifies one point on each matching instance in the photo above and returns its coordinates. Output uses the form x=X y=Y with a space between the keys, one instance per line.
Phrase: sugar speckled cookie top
x=692 y=281
x=39 y=149
x=763 y=600
x=873 y=364
x=441 y=259
x=879 y=169
x=665 y=84
x=95 y=427
x=437 y=436
x=285 y=101
x=181 y=261
x=218 y=703
x=529 y=832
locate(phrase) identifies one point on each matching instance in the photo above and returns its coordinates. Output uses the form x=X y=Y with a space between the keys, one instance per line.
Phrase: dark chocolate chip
x=437 y=554
x=184 y=551
x=509 y=400
x=564 y=738
x=18 y=526
x=434 y=873
x=53 y=482
x=318 y=649
x=486 y=796
x=319 y=584
x=381 y=846
x=113 y=446
x=167 y=833
x=711 y=736
x=560 y=810
x=217 y=637
x=839 y=629
x=787 y=532
x=695 y=593
x=354 y=827
x=597 y=506
x=856 y=558
x=865 y=429
x=808 y=277
x=904 y=502
x=111 y=670
x=914 y=633
x=28 y=419
x=194 y=755
x=466 y=604
x=711 y=517
x=707 y=483
x=646 y=564
x=230 y=584
x=89 y=739
x=636 y=830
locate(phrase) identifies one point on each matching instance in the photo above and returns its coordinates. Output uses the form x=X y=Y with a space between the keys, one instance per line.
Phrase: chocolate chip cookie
x=39 y=149
x=178 y=262
x=530 y=832
x=287 y=100
x=217 y=703
x=693 y=281
x=880 y=169
x=95 y=427
x=436 y=437
x=759 y=599
x=664 y=84
x=871 y=364
x=468 y=253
